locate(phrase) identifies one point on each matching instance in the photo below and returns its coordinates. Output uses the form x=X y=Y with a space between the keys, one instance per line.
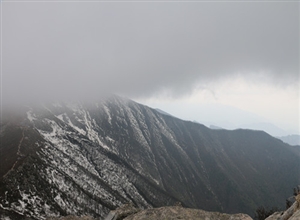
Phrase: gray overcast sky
x=142 y=49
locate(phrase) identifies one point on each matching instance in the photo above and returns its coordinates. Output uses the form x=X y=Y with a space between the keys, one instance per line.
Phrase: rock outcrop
x=122 y=212
x=177 y=212
x=71 y=217
x=292 y=213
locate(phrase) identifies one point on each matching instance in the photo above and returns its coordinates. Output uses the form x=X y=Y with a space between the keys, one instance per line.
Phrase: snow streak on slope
x=79 y=162
x=90 y=158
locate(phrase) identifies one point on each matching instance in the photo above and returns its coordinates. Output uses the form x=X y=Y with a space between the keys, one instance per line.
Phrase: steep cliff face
x=89 y=158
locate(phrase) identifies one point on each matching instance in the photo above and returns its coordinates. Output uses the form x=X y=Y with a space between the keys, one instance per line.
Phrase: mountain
x=162 y=112
x=90 y=158
x=267 y=127
x=291 y=139
x=224 y=116
x=215 y=127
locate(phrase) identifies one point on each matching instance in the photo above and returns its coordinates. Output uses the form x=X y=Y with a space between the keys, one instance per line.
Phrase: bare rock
x=177 y=212
x=292 y=213
x=122 y=212
x=295 y=216
x=71 y=217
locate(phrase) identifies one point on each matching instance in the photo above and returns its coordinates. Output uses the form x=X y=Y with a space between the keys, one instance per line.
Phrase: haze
x=180 y=56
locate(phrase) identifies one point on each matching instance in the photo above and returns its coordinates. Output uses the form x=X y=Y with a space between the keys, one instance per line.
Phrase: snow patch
x=31 y=116
x=107 y=111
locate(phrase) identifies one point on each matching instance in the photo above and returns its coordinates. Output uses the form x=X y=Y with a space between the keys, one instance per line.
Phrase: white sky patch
x=278 y=104
x=236 y=101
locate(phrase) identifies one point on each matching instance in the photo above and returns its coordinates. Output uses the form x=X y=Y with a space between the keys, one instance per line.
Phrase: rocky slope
x=292 y=213
x=90 y=158
x=129 y=212
x=176 y=212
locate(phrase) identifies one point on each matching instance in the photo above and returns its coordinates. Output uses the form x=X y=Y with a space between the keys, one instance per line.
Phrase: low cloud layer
x=58 y=50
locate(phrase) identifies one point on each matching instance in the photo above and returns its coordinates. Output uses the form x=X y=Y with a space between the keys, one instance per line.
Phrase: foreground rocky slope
x=88 y=159
x=129 y=212
x=176 y=212
x=292 y=213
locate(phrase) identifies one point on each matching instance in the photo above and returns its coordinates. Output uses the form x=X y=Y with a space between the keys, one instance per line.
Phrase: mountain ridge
x=91 y=158
x=293 y=139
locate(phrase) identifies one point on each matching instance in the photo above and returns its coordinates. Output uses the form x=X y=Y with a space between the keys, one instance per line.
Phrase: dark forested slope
x=89 y=158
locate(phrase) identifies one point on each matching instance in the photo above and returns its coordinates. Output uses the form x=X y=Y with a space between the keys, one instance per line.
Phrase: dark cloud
x=80 y=49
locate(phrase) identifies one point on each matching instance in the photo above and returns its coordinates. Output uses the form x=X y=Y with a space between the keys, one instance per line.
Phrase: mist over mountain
x=224 y=116
x=230 y=64
x=291 y=139
x=267 y=127
x=90 y=158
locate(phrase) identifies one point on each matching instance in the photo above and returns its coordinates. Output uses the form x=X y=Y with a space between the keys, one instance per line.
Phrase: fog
x=143 y=50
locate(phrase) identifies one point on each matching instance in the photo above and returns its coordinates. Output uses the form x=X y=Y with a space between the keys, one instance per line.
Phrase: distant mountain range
x=224 y=116
x=270 y=129
x=291 y=139
x=89 y=158
x=267 y=127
